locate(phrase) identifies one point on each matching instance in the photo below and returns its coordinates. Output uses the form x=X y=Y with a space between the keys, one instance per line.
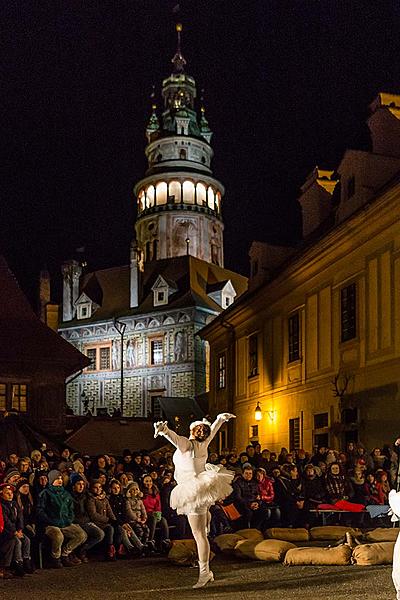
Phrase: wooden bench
x=327 y=512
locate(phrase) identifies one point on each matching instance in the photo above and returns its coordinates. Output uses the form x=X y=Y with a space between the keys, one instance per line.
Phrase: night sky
x=287 y=86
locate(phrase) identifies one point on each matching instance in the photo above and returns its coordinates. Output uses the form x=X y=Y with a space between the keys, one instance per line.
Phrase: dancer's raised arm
x=179 y=441
x=219 y=421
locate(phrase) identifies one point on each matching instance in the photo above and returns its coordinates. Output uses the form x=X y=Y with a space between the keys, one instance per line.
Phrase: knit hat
x=130 y=486
x=7 y=485
x=53 y=475
x=10 y=473
x=247 y=465
x=21 y=482
x=126 y=452
x=75 y=477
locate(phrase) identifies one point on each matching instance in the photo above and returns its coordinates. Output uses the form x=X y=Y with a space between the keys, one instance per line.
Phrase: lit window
x=18 y=397
x=156 y=352
x=3 y=396
x=104 y=359
x=201 y=194
x=221 y=380
x=188 y=192
x=253 y=355
x=348 y=312
x=294 y=337
x=161 y=193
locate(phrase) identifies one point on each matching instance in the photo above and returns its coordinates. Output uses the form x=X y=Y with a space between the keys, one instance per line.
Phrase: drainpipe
x=231 y=378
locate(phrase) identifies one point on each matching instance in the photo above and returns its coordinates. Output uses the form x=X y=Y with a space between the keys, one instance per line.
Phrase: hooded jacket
x=99 y=510
x=12 y=518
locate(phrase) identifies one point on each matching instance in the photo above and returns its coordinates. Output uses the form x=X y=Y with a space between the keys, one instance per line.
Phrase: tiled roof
x=25 y=340
x=112 y=436
x=191 y=276
x=16 y=435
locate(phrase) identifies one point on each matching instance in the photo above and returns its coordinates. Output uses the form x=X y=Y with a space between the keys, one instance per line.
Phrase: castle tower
x=179 y=200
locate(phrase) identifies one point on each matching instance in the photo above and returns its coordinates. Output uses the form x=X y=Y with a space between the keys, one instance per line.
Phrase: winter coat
x=245 y=492
x=152 y=503
x=55 y=507
x=314 y=491
x=12 y=519
x=81 y=516
x=117 y=503
x=266 y=490
x=99 y=510
x=135 y=510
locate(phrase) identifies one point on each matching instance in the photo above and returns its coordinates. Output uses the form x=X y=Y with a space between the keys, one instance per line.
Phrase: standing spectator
x=55 y=514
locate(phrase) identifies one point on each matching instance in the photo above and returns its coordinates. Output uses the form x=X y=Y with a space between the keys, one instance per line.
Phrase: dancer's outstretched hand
x=160 y=427
x=226 y=416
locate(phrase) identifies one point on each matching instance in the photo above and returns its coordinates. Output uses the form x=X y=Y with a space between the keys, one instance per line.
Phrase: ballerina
x=200 y=484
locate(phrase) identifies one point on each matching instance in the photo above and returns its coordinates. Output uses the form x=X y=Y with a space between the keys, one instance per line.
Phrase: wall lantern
x=258 y=412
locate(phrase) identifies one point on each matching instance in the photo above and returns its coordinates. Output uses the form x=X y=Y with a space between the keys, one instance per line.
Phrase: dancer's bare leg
x=198 y=525
x=208 y=522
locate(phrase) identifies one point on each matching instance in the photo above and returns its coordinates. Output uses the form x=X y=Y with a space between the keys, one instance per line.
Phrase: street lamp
x=120 y=327
x=258 y=412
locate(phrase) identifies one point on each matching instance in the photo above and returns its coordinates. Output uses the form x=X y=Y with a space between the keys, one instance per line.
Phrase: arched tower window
x=210 y=198
x=150 y=194
x=161 y=193
x=188 y=192
x=182 y=154
x=148 y=251
x=175 y=192
x=201 y=194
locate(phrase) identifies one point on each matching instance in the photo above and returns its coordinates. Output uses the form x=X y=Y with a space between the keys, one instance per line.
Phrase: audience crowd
x=70 y=506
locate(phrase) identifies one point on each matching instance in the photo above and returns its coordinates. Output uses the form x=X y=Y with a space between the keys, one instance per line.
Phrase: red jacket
x=152 y=503
x=266 y=490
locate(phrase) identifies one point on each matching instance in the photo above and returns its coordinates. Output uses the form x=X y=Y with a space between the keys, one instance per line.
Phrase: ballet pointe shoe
x=204 y=578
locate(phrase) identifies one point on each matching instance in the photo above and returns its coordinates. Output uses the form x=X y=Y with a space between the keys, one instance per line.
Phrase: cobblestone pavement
x=156 y=579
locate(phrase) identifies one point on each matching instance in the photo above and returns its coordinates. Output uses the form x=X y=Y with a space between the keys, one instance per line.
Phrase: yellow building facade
x=315 y=342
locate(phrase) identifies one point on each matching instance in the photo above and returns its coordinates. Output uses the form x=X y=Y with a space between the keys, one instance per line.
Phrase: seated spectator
x=282 y=456
x=313 y=488
x=25 y=503
x=358 y=482
x=152 y=504
x=55 y=515
x=147 y=464
x=11 y=476
x=246 y=498
x=251 y=455
x=15 y=546
x=39 y=483
x=65 y=460
x=338 y=486
x=267 y=495
x=36 y=457
x=95 y=534
x=319 y=456
x=101 y=514
x=290 y=496
x=123 y=531
x=383 y=487
x=24 y=467
x=136 y=516
x=173 y=519
x=233 y=464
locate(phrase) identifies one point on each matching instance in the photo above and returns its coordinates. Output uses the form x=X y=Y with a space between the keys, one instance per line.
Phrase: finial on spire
x=178 y=60
x=153 y=124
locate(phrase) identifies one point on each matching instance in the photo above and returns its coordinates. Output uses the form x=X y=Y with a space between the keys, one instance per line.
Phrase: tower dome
x=179 y=200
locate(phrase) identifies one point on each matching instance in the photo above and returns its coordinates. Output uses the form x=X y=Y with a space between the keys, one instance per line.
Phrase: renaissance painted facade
x=140 y=321
x=311 y=354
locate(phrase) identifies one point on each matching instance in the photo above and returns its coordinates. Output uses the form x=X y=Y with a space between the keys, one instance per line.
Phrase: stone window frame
x=97 y=347
x=151 y=341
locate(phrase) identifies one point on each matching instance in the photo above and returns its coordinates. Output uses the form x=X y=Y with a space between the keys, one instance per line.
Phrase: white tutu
x=197 y=494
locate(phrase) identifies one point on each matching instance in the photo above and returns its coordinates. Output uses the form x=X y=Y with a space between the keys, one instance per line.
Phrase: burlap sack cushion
x=184 y=552
x=332 y=532
x=382 y=534
x=340 y=555
x=380 y=553
x=267 y=550
x=288 y=534
x=251 y=534
x=226 y=542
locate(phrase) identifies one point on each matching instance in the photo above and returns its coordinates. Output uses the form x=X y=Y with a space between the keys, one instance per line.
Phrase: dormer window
x=223 y=293
x=162 y=290
x=84 y=310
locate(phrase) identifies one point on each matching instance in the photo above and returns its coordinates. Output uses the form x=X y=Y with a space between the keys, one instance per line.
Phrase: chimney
x=71 y=271
x=316 y=198
x=44 y=294
x=134 y=274
x=384 y=124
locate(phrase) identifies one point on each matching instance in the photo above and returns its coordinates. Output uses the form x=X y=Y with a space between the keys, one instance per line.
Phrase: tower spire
x=178 y=60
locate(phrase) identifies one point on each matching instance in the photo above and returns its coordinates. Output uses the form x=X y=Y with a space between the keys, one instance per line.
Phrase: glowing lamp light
x=258 y=412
